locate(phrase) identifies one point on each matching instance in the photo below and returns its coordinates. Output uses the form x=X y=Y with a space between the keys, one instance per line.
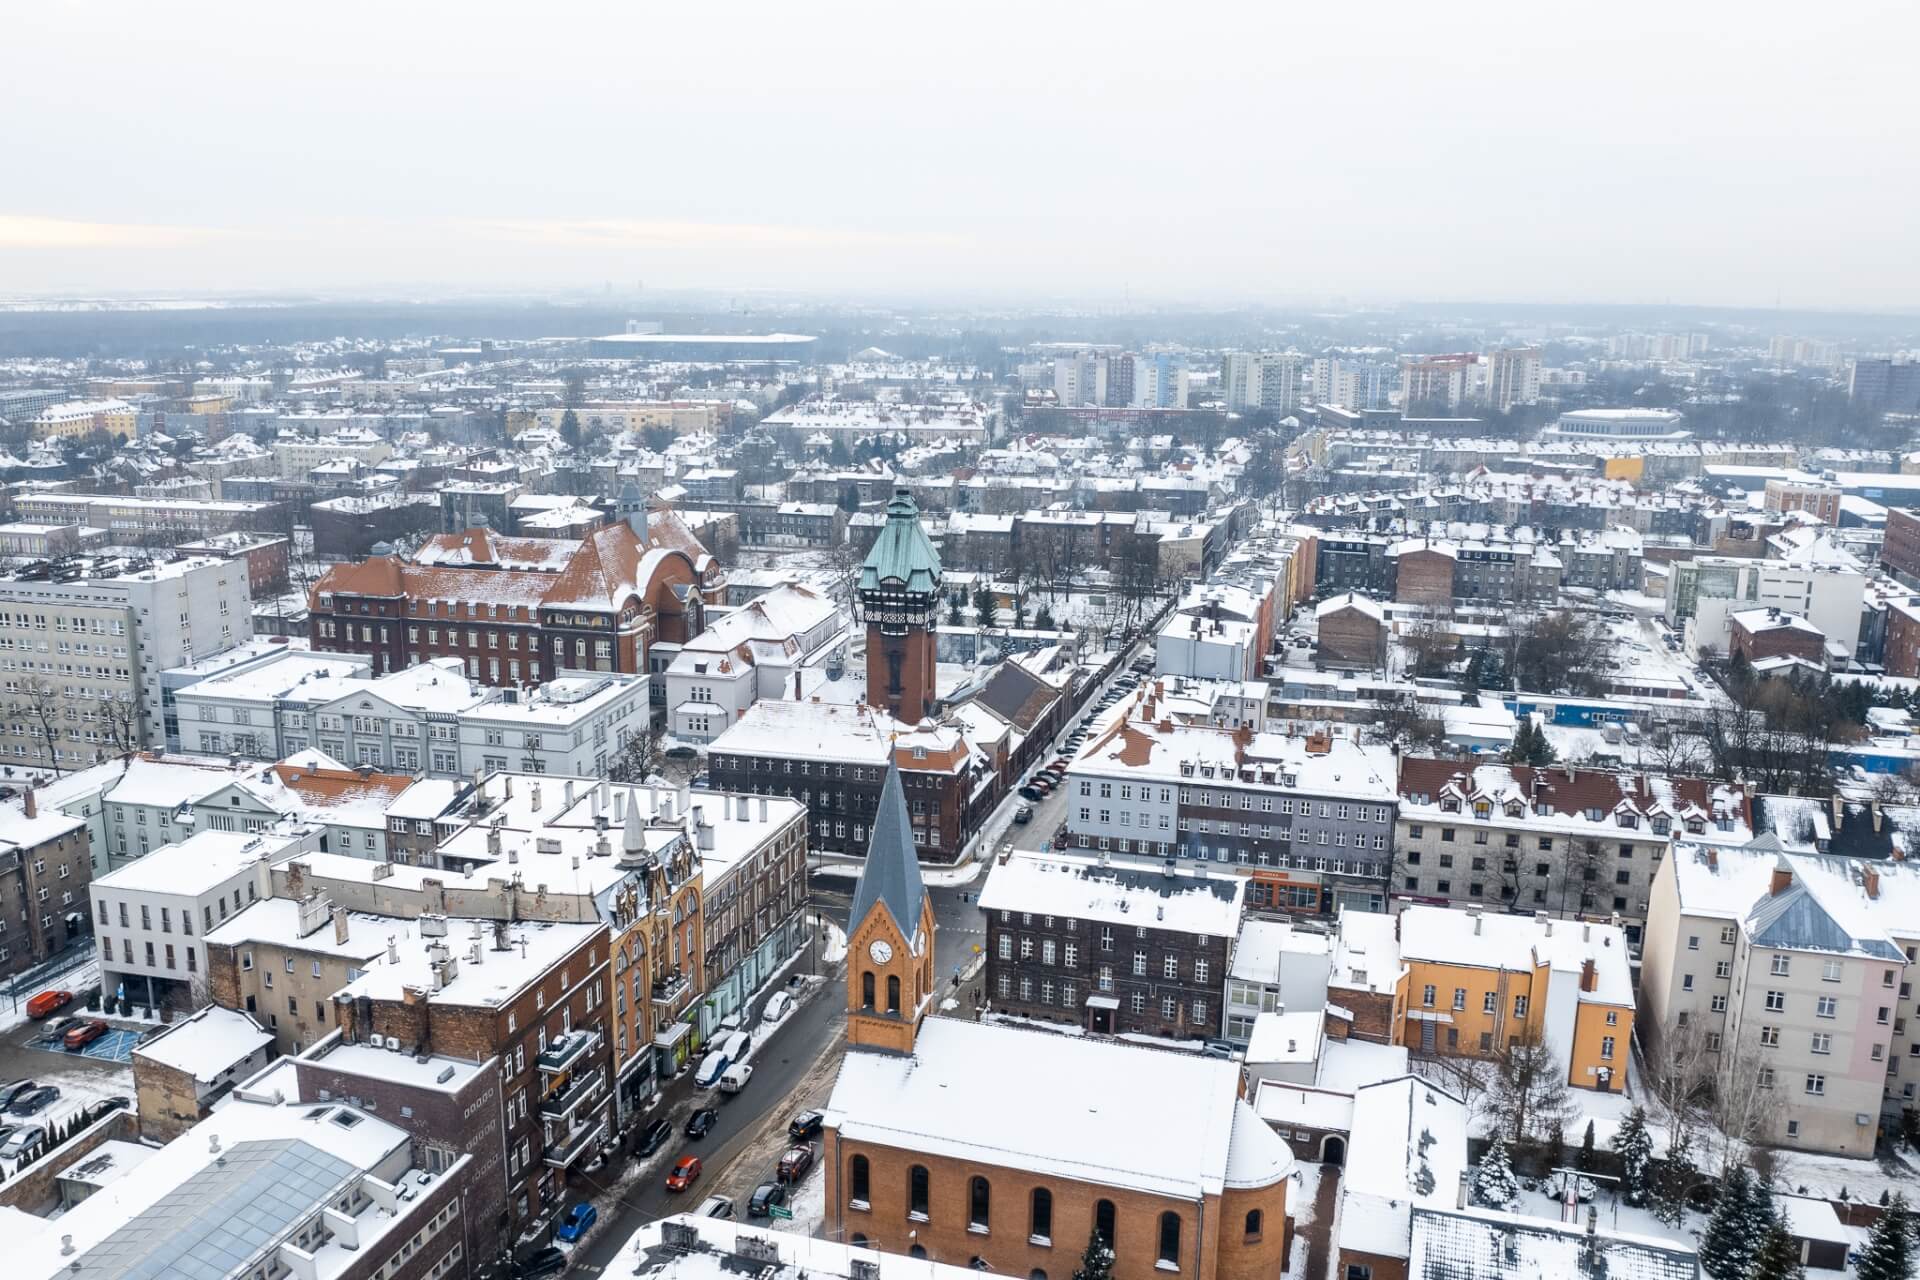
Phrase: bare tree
x=120 y=723
x=641 y=757
x=1678 y=1076
x=40 y=703
x=1742 y=1099
x=1404 y=719
x=1531 y=1097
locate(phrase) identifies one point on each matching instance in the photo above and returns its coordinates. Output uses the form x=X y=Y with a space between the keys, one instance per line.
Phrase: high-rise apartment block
x=1513 y=377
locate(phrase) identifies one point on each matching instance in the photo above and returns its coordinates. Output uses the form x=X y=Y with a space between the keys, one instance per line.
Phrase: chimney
x=535 y=798
x=393 y=951
x=339 y=926
x=1782 y=879
x=27 y=802
x=796 y=684
x=1873 y=883
x=1589 y=975
x=763 y=808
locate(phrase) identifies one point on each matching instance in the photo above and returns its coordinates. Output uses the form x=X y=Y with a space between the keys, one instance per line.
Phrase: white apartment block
x=758 y=651
x=427 y=719
x=297 y=455
x=1513 y=377
x=1801 y=964
x=1704 y=593
x=1260 y=380
x=150 y=918
x=88 y=643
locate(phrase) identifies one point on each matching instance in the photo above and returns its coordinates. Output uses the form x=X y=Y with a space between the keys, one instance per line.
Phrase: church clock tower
x=889 y=934
x=899 y=592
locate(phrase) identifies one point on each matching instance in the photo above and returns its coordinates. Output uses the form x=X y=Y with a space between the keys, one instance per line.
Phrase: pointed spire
x=891 y=876
x=633 y=836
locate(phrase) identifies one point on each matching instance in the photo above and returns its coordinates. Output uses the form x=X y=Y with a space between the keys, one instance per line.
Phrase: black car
x=94 y=1110
x=765 y=1196
x=805 y=1125
x=12 y=1090
x=550 y=1261
x=655 y=1137
x=701 y=1122
x=34 y=1101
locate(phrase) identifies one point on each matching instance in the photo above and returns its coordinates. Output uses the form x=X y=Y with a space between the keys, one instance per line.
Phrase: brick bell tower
x=890 y=931
x=899 y=591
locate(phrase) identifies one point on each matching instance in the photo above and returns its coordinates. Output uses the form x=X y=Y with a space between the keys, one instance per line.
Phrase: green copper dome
x=903 y=558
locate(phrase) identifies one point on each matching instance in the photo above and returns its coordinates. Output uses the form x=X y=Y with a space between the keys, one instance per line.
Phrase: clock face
x=881 y=951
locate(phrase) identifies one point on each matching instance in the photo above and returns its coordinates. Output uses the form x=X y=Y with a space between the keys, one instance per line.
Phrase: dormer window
x=1481 y=808
x=1449 y=805
x=1695 y=826
x=1594 y=815
x=1662 y=825
x=1513 y=809
x=1629 y=820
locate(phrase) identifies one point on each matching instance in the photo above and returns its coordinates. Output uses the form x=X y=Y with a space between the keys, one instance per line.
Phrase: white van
x=735 y=1078
x=735 y=1046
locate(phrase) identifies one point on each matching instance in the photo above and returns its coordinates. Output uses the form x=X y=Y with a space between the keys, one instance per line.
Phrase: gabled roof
x=891 y=876
x=902 y=553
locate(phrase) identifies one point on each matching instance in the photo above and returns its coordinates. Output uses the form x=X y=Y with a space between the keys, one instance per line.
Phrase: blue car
x=577 y=1223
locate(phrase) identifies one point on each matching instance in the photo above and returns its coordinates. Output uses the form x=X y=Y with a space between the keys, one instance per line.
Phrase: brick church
x=1008 y=1149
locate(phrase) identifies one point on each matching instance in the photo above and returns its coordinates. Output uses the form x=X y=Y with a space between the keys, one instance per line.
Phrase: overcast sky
x=1683 y=151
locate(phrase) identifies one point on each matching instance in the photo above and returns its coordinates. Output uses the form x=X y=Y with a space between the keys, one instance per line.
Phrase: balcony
x=568 y=1052
x=670 y=994
x=564 y=1149
x=565 y=1102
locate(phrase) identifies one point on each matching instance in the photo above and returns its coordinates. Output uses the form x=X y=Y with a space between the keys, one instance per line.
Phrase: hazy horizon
x=1227 y=156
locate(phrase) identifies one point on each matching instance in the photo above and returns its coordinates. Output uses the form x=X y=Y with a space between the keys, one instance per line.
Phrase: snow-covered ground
x=1300 y=1206
x=809 y=1205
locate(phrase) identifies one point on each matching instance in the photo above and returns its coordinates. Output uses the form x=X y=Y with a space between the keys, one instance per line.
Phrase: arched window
x=1038 y=1273
x=859 y=1241
x=979 y=1203
x=893 y=993
x=866 y=989
x=1170 y=1238
x=977 y=1262
x=1253 y=1224
x=1103 y=1220
x=1041 y=1226
x=917 y=1190
x=857 y=1176
x=917 y=1251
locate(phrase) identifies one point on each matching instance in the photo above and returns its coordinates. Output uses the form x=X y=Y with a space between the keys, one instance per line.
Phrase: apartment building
x=1109 y=948
x=83 y=645
x=296 y=455
x=775 y=646
x=1473 y=983
x=74 y=418
x=151 y=917
x=1565 y=840
x=1796 y=966
x=1705 y=592
x=1309 y=818
x=45 y=872
x=164 y=520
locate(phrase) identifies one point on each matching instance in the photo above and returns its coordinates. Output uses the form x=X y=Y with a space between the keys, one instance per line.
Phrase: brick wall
x=1424 y=577
x=1351 y=636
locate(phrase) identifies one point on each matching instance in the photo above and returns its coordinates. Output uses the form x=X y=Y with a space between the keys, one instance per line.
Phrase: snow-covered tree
x=1585 y=1159
x=1635 y=1147
x=1742 y=1216
x=1493 y=1180
x=1779 y=1257
x=1889 y=1251
x=1096 y=1263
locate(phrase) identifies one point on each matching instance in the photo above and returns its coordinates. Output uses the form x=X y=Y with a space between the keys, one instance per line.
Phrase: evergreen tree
x=1728 y=1246
x=1096 y=1263
x=954 y=617
x=1586 y=1150
x=1779 y=1257
x=1889 y=1251
x=1675 y=1177
x=1493 y=1180
x=1557 y=1149
x=1043 y=619
x=1635 y=1147
x=570 y=429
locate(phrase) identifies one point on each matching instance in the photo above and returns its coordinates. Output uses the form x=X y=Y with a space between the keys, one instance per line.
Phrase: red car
x=685 y=1172
x=85 y=1034
x=795 y=1163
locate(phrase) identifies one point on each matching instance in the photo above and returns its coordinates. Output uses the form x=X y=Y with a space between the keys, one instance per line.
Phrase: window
x=979 y=1204
x=858 y=1175
x=1776 y=1001
x=917 y=1192
x=1170 y=1239
x=1040 y=1217
x=1359 y=1271
x=1252 y=1231
x=1769 y=1037
x=1103 y=1217
x=1780 y=966
x=1490 y=1002
x=1822 y=1042
x=1816 y=1085
x=1519 y=1006
x=1827 y=1007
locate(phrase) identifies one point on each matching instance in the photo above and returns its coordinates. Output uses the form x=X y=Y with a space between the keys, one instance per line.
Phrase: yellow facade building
x=1475 y=984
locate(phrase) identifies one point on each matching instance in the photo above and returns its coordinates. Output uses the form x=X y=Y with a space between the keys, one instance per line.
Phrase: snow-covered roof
x=1264 y=944
x=208 y=1044
x=203 y=862
x=1407 y=1144
x=1821 y=903
x=1483 y=1244
x=1060 y=1106
x=1081 y=888
x=1520 y=944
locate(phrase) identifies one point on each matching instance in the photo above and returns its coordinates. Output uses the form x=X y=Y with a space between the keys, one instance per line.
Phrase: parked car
x=577 y=1223
x=94 y=1110
x=775 y=1011
x=85 y=1034
x=19 y=1140
x=541 y=1263
x=727 y=1050
x=764 y=1197
x=805 y=1125
x=34 y=1101
x=655 y=1137
x=48 y=1003
x=12 y=1090
x=701 y=1122
x=1024 y=814
x=1030 y=792
x=715 y=1207
x=736 y=1078
x=685 y=1172
x=795 y=1163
